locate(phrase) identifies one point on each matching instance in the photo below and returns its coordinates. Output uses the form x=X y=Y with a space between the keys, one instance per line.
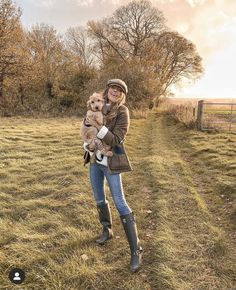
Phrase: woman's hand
x=92 y=145
x=87 y=121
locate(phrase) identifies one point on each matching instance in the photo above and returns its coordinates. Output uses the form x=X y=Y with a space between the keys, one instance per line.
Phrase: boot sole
x=102 y=243
x=135 y=270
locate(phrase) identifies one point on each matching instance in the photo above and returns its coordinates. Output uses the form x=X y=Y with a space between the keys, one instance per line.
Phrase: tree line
x=43 y=71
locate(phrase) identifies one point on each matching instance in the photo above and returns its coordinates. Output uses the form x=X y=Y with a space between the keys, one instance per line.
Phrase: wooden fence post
x=199 y=115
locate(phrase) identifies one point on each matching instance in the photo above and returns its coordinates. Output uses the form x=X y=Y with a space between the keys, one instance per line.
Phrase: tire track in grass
x=207 y=182
x=182 y=247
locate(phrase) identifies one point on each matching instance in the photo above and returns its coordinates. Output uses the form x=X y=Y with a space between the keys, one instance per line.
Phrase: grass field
x=182 y=191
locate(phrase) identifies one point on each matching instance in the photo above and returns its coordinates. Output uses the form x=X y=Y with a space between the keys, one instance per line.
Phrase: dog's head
x=95 y=102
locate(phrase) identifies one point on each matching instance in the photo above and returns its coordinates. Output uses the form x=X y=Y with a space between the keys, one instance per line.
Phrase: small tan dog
x=89 y=133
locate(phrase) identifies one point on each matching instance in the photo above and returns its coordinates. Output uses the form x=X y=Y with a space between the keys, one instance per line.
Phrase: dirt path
x=184 y=247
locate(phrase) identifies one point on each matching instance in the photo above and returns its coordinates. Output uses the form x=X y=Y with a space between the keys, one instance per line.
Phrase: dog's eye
x=92 y=102
x=99 y=100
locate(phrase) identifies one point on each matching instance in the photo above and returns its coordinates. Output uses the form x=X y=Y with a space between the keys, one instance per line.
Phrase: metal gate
x=220 y=116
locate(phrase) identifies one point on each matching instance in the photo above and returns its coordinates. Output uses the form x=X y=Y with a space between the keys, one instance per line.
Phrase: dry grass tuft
x=139 y=114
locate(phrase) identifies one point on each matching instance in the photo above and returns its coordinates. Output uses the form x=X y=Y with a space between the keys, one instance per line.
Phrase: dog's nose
x=96 y=108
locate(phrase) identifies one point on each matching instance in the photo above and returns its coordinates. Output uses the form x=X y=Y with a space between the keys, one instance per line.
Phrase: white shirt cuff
x=85 y=146
x=86 y=149
x=102 y=132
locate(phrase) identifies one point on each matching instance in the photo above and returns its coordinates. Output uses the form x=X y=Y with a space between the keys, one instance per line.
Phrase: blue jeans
x=98 y=173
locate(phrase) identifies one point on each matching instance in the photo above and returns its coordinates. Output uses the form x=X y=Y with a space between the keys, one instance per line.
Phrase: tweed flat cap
x=119 y=83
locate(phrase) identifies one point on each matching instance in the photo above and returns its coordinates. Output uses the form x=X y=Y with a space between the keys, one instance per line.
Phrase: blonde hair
x=114 y=107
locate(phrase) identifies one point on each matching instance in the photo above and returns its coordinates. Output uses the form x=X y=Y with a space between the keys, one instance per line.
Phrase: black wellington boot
x=131 y=232
x=106 y=220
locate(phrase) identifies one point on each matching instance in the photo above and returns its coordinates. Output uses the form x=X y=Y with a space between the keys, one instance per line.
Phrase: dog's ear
x=89 y=104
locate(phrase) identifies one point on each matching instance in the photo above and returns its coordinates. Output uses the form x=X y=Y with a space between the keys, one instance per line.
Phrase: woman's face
x=114 y=94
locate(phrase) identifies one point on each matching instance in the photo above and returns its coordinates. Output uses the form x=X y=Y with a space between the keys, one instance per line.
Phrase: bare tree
x=134 y=24
x=126 y=32
x=136 y=35
x=79 y=44
x=173 y=58
x=105 y=47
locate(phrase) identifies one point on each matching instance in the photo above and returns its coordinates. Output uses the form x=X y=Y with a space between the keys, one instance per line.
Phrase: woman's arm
x=120 y=130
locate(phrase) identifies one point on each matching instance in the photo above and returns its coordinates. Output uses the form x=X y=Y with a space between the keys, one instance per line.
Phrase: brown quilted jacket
x=118 y=128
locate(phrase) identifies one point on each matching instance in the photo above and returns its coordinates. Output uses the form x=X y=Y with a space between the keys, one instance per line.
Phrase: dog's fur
x=89 y=134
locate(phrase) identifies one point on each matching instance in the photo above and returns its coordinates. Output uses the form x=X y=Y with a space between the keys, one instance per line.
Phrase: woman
x=113 y=134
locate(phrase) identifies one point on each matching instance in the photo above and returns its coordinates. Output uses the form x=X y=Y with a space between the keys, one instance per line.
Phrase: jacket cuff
x=85 y=146
x=103 y=131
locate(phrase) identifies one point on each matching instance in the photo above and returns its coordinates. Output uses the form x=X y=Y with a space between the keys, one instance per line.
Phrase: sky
x=209 y=24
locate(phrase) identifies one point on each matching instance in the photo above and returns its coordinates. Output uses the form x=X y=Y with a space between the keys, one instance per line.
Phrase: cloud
x=85 y=2
x=44 y=3
x=194 y=3
x=210 y=24
x=91 y=3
